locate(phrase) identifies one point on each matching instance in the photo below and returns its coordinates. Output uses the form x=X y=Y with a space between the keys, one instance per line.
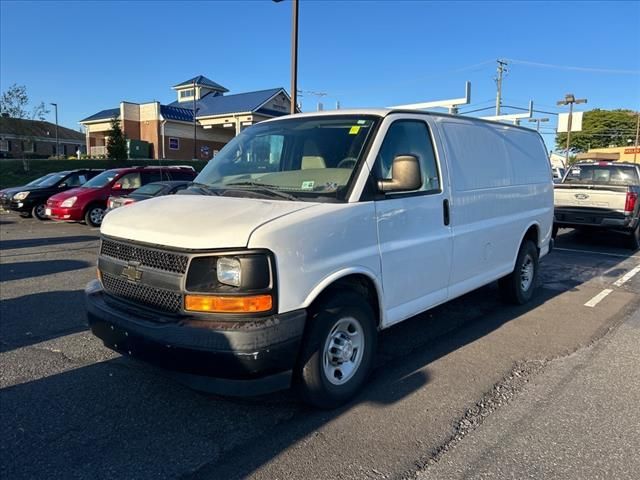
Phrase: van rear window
x=603 y=175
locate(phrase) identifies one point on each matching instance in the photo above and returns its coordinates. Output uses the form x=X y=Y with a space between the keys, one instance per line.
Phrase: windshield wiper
x=203 y=188
x=264 y=188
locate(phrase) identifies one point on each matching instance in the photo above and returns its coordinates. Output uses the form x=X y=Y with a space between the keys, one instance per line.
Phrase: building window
x=174 y=143
x=186 y=93
x=4 y=145
x=28 y=147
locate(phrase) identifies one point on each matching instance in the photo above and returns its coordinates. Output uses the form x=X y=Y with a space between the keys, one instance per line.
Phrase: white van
x=308 y=234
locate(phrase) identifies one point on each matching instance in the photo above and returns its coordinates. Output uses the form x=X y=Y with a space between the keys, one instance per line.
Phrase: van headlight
x=242 y=282
x=69 y=202
x=21 y=195
x=229 y=271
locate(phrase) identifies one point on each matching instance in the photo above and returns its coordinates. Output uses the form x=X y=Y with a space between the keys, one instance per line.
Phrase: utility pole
x=570 y=99
x=55 y=105
x=501 y=69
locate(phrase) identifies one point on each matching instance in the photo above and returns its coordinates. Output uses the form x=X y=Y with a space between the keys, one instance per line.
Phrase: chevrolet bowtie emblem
x=131 y=272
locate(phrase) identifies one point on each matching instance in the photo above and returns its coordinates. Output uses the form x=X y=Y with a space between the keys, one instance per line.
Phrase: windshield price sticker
x=354 y=130
x=308 y=185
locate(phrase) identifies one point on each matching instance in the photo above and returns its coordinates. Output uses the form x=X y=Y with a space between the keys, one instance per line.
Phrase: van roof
x=383 y=112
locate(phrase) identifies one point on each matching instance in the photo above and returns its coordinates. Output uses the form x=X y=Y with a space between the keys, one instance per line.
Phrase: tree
x=117 y=143
x=601 y=129
x=15 y=102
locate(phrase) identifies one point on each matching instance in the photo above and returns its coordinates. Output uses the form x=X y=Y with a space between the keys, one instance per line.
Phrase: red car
x=89 y=202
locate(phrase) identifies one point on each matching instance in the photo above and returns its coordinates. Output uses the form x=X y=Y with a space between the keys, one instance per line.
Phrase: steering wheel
x=348 y=162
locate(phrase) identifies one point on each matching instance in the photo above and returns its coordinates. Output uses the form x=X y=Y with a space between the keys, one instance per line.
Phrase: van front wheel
x=338 y=349
x=518 y=286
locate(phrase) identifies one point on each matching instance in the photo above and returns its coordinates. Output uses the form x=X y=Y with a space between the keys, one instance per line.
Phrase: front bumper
x=22 y=205
x=65 y=214
x=244 y=357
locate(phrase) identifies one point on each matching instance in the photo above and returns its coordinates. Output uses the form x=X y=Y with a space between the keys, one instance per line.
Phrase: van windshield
x=298 y=158
x=101 y=180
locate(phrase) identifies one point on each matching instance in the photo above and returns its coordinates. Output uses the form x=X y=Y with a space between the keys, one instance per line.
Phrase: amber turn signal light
x=217 y=304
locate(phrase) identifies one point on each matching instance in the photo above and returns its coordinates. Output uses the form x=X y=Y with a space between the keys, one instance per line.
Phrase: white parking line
x=626 y=277
x=592 y=252
x=598 y=298
x=618 y=283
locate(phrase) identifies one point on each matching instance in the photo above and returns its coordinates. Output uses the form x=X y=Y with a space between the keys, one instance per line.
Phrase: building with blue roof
x=174 y=132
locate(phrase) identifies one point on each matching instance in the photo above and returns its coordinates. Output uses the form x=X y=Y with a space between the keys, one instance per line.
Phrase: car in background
x=150 y=190
x=6 y=194
x=31 y=199
x=602 y=196
x=88 y=203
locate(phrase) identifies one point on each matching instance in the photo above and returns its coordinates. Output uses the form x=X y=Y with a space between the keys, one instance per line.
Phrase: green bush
x=12 y=172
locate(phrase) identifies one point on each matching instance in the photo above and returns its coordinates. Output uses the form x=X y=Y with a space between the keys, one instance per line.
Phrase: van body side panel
x=501 y=184
x=415 y=244
x=330 y=241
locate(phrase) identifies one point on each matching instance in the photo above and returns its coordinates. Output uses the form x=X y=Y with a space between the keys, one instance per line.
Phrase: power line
x=526 y=110
x=580 y=69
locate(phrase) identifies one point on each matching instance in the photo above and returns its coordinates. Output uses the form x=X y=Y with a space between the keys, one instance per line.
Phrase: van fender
x=337 y=275
x=538 y=241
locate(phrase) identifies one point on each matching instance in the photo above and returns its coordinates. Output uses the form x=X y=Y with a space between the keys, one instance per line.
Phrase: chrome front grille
x=158 y=298
x=149 y=257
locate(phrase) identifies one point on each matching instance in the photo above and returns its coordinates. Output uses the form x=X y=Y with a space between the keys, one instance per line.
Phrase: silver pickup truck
x=601 y=195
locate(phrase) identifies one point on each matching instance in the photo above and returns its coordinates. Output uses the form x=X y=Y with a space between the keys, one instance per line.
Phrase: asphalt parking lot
x=70 y=408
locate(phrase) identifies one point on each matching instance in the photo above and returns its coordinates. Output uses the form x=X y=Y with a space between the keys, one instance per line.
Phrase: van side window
x=409 y=137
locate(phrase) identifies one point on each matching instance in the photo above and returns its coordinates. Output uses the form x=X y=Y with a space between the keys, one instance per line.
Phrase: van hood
x=194 y=221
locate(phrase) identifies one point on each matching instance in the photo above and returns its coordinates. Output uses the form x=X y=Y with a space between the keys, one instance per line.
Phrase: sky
x=88 y=56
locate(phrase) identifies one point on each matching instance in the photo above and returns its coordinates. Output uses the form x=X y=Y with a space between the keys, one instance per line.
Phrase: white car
x=308 y=234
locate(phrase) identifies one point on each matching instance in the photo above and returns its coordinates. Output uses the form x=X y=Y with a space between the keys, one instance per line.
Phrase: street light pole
x=537 y=121
x=294 y=54
x=55 y=105
x=635 y=148
x=195 y=134
x=570 y=99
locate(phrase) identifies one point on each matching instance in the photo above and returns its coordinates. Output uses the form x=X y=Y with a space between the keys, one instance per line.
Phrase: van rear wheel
x=338 y=350
x=519 y=285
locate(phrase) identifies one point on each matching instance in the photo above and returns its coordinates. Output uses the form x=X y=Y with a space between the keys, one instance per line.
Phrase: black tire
x=38 y=212
x=634 y=238
x=329 y=324
x=94 y=215
x=515 y=288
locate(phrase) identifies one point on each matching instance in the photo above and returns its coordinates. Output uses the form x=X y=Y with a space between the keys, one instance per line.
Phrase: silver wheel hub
x=343 y=350
x=96 y=215
x=526 y=273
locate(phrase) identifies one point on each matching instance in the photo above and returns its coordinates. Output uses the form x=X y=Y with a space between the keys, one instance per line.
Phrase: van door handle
x=445 y=211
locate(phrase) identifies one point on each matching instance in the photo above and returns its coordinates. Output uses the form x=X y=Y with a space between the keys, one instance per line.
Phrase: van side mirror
x=117 y=186
x=406 y=175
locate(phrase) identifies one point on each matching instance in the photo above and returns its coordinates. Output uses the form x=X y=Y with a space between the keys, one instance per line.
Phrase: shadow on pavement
x=128 y=419
x=38 y=317
x=44 y=241
x=24 y=270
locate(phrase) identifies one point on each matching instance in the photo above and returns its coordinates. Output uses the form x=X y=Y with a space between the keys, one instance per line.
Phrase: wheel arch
x=360 y=280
